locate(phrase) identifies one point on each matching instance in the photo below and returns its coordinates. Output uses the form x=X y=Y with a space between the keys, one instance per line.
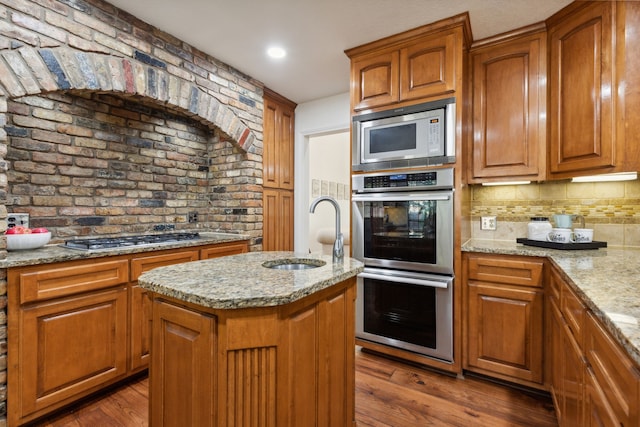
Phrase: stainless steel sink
x=294 y=264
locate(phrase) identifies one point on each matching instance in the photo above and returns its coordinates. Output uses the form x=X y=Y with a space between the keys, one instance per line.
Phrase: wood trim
x=508 y=36
x=461 y=19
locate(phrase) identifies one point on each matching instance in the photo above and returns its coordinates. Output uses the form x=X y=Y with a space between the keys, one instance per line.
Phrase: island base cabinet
x=286 y=366
x=181 y=385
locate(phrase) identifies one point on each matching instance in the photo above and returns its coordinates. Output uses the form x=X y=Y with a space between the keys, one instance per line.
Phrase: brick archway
x=33 y=71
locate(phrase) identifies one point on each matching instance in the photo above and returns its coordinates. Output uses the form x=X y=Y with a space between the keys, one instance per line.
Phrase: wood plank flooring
x=388 y=394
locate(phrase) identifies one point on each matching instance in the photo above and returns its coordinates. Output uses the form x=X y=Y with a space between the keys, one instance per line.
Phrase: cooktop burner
x=120 y=242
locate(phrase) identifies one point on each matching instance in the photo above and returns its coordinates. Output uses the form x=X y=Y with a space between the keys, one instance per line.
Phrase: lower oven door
x=407 y=310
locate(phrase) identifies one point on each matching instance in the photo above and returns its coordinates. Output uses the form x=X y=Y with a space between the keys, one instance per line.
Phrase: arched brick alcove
x=31 y=71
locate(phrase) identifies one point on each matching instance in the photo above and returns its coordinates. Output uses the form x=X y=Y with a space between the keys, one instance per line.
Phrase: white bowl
x=17 y=242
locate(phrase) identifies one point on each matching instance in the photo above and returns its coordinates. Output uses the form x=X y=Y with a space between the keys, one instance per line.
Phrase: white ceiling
x=315 y=33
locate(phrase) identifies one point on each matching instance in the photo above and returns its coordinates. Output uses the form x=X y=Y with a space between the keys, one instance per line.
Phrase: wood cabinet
x=614 y=389
x=508 y=80
x=277 y=225
x=593 y=381
x=568 y=365
x=292 y=365
x=504 y=317
x=409 y=67
x=140 y=310
x=278 y=170
x=183 y=349
x=278 y=141
x=75 y=327
x=593 y=80
x=67 y=333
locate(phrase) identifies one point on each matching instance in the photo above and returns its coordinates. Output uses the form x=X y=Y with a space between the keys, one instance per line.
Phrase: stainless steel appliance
x=128 y=241
x=417 y=135
x=403 y=232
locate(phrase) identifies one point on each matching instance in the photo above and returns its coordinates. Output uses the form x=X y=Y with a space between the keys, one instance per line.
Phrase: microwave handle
x=398 y=197
x=412 y=281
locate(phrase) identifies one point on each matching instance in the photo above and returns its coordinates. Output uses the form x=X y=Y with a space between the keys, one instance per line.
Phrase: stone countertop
x=57 y=253
x=240 y=281
x=607 y=279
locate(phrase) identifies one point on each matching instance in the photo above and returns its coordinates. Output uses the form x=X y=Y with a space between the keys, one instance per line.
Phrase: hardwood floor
x=388 y=393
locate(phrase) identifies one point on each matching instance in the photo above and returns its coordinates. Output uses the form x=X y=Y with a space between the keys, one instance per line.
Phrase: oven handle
x=404 y=279
x=401 y=197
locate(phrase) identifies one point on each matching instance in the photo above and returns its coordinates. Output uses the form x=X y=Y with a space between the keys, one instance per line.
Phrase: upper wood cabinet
x=408 y=67
x=508 y=80
x=278 y=141
x=593 y=79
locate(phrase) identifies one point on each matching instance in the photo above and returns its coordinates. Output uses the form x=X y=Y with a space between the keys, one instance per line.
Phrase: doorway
x=329 y=175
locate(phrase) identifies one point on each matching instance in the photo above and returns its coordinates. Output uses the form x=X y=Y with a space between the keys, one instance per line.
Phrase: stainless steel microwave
x=417 y=135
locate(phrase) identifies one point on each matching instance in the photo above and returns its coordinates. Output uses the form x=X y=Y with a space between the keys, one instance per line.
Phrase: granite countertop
x=607 y=279
x=240 y=281
x=57 y=253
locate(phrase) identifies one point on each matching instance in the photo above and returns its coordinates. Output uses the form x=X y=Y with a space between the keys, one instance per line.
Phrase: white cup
x=561 y=235
x=583 y=235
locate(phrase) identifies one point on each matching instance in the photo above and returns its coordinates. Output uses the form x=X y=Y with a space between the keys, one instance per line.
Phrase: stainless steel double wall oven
x=403 y=232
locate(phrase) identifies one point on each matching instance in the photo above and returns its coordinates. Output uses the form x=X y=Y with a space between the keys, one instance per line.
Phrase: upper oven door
x=409 y=231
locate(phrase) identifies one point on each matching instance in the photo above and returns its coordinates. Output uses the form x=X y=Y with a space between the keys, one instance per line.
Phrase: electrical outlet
x=193 y=217
x=488 y=223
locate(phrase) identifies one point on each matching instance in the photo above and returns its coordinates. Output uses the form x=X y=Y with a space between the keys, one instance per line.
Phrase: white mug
x=583 y=235
x=561 y=235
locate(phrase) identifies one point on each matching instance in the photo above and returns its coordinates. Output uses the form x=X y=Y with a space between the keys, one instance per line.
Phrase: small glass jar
x=538 y=228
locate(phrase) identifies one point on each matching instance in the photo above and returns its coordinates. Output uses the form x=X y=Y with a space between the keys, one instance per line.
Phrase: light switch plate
x=488 y=223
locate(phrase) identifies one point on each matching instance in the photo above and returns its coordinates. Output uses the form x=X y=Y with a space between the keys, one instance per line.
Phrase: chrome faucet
x=338 y=244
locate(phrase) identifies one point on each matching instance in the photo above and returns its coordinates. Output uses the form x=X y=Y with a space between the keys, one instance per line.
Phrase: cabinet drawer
x=224 y=250
x=574 y=313
x=615 y=373
x=142 y=264
x=511 y=271
x=58 y=280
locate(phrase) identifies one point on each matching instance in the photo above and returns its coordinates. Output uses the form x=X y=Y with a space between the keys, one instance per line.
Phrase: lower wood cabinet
x=278 y=220
x=75 y=327
x=593 y=382
x=504 y=317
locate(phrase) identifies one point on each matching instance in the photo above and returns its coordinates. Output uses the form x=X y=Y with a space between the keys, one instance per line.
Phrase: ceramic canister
x=538 y=228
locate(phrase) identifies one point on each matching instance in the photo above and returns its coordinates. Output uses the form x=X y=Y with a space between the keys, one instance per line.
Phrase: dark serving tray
x=562 y=246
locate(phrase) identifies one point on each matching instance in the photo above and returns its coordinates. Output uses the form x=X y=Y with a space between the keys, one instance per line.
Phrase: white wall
x=315 y=118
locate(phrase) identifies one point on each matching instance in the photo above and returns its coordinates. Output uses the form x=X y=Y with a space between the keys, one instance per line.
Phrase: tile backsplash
x=612 y=209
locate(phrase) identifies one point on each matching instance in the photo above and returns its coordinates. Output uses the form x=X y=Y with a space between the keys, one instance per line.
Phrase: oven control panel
x=426 y=180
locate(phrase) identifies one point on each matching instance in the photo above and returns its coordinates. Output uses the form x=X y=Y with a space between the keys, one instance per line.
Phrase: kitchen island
x=236 y=342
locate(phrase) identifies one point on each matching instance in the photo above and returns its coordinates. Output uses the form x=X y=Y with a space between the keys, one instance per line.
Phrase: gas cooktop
x=128 y=241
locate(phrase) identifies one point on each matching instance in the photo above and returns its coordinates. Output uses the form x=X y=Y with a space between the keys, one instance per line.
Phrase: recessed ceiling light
x=276 y=52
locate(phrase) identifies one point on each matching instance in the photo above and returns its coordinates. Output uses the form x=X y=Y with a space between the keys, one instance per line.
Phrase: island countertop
x=241 y=281
x=607 y=280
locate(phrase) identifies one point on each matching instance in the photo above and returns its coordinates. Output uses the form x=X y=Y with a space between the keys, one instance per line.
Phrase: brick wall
x=110 y=125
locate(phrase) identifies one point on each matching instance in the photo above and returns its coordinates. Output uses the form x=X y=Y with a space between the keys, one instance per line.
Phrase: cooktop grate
x=127 y=241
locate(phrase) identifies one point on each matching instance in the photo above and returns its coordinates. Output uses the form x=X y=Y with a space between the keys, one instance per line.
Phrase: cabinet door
x=68 y=348
x=182 y=367
x=427 y=68
x=614 y=372
x=374 y=80
x=573 y=371
x=556 y=358
x=277 y=213
x=505 y=327
x=278 y=142
x=598 y=413
x=583 y=91
x=509 y=104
